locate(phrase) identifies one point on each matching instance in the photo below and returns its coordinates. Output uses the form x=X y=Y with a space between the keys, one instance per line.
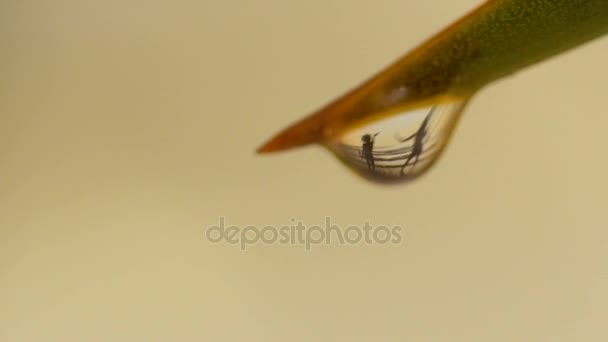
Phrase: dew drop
x=401 y=146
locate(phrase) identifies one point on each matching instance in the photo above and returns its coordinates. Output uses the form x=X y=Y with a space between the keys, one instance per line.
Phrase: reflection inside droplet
x=402 y=146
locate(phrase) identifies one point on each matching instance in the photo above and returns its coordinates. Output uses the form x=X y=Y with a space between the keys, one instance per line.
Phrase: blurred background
x=129 y=127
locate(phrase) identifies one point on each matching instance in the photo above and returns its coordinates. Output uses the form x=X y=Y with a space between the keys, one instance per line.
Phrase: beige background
x=128 y=127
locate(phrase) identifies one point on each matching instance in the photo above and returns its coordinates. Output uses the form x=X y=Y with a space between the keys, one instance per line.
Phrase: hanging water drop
x=401 y=146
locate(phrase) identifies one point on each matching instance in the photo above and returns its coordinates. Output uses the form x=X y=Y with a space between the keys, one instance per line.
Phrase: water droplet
x=401 y=145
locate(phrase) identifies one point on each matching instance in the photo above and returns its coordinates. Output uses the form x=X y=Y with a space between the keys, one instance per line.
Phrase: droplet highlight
x=400 y=146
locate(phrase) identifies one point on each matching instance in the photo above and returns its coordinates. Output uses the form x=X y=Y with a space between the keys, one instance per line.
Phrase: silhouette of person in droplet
x=418 y=146
x=367 y=150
